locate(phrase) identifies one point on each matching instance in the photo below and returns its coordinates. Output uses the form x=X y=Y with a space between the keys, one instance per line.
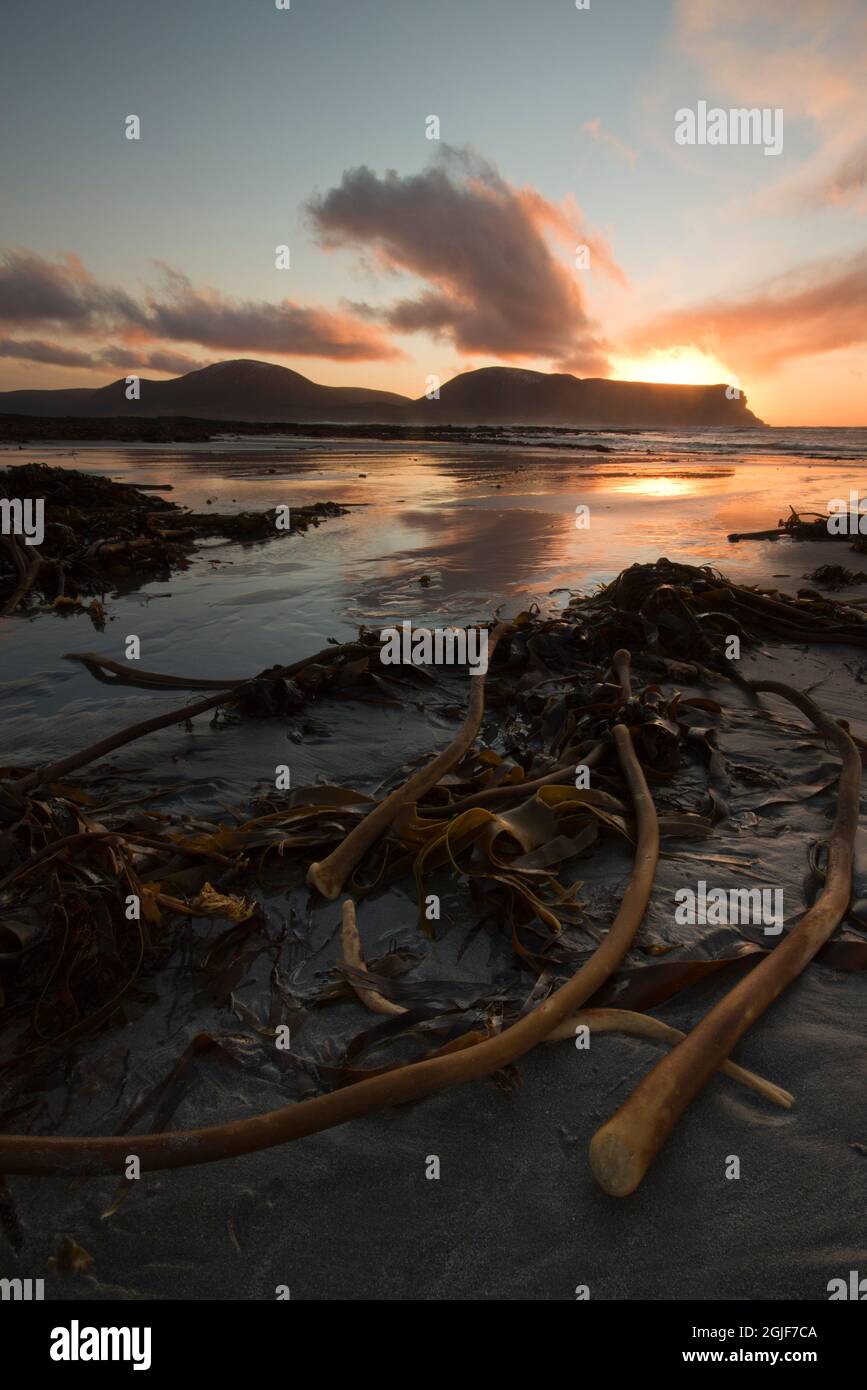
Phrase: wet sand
x=349 y=1214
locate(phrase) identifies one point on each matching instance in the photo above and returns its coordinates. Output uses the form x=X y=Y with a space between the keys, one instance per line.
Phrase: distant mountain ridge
x=244 y=389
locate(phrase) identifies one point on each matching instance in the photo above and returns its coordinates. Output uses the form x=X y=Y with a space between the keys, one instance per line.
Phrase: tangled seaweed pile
x=506 y=815
x=836 y=577
x=100 y=534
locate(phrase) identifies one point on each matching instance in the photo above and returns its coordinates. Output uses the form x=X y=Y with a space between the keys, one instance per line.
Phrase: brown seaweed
x=510 y=825
x=100 y=534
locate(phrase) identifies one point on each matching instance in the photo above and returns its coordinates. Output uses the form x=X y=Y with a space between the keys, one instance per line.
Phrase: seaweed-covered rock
x=100 y=533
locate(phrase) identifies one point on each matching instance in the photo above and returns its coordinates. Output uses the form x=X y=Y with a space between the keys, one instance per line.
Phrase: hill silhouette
x=243 y=389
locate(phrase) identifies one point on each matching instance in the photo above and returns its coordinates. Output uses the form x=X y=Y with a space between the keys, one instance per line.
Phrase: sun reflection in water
x=659 y=487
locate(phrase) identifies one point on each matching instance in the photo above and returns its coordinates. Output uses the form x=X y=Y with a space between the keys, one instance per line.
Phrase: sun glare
x=677 y=366
x=658 y=487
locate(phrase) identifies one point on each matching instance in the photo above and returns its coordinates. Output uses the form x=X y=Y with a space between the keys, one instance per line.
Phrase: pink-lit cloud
x=63 y=296
x=807 y=57
x=598 y=133
x=492 y=284
x=36 y=351
x=817 y=308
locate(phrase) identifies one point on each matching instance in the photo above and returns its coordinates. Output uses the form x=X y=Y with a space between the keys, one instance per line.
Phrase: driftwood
x=798 y=526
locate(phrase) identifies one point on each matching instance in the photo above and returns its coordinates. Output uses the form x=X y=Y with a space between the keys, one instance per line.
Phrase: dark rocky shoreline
x=24 y=429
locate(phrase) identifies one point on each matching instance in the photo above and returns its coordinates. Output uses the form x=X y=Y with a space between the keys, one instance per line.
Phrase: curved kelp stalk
x=55 y=1155
x=102 y=668
x=622 y=1021
x=28 y=562
x=329 y=875
x=62 y=767
x=624 y=1148
x=635 y=1025
x=563 y=773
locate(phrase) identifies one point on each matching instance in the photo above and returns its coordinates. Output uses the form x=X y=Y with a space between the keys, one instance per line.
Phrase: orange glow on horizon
x=684 y=366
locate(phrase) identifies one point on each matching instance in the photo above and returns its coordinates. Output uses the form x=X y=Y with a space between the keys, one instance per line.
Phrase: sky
x=410 y=257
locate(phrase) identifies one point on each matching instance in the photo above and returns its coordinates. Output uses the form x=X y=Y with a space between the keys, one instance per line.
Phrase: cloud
x=126 y=360
x=806 y=57
x=496 y=262
x=36 y=291
x=597 y=131
x=848 y=181
x=183 y=313
x=36 y=350
x=816 y=308
x=51 y=354
x=63 y=295
x=493 y=285
x=175 y=363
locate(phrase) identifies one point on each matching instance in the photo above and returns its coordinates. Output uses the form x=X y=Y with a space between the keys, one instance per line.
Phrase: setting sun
x=685 y=366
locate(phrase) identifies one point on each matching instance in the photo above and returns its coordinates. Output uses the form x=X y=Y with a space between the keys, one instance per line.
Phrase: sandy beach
x=515 y=1212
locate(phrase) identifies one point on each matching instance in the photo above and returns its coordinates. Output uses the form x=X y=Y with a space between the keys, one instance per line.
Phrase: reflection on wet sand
x=484 y=521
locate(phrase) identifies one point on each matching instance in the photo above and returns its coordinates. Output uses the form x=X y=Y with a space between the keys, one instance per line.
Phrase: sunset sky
x=412 y=257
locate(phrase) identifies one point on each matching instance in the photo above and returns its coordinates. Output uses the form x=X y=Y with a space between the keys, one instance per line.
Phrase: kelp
x=101 y=535
x=686 y=613
x=454 y=1065
x=595 y=1020
x=625 y=1146
x=836 y=577
x=509 y=825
